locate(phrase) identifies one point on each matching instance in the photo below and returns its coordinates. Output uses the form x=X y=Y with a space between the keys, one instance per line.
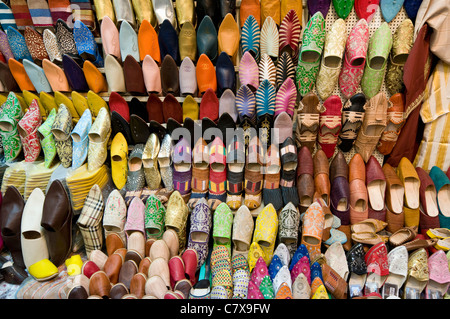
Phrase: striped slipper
x=7 y=17
x=82 y=11
x=200 y=172
x=249 y=71
x=182 y=167
x=61 y=9
x=40 y=13
x=285 y=69
x=269 y=38
x=290 y=30
x=218 y=173
x=246 y=108
x=250 y=37
x=286 y=98
x=267 y=70
x=21 y=13
x=265 y=108
x=235 y=169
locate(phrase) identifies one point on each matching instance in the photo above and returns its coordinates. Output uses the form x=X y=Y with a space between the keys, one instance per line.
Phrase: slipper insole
x=360 y=206
x=444 y=200
x=430 y=197
x=397 y=194
x=412 y=192
x=342 y=204
x=310 y=56
x=376 y=191
x=240 y=245
x=332 y=61
x=198 y=236
x=305 y=200
x=236 y=167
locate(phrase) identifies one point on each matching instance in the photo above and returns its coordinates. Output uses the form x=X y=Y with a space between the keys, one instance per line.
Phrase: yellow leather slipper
x=229 y=36
x=119 y=160
x=60 y=98
x=95 y=103
x=48 y=101
x=80 y=102
x=29 y=97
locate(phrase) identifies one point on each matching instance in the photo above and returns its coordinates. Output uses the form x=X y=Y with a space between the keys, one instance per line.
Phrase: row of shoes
x=146 y=50
x=147 y=255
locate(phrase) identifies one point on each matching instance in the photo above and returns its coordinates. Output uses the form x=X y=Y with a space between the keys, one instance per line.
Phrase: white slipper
x=335 y=256
x=398 y=270
x=33 y=242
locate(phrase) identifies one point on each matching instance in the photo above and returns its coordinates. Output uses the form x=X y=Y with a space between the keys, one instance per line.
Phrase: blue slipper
x=86 y=46
x=441 y=181
x=168 y=41
x=250 y=37
x=207 y=38
x=226 y=76
x=80 y=139
x=74 y=74
x=18 y=44
x=37 y=77
x=128 y=40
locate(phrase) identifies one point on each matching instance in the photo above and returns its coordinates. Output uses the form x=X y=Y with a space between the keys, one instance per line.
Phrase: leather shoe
x=170 y=76
x=112 y=267
x=11 y=217
x=338 y=166
x=321 y=176
x=134 y=78
x=57 y=221
x=305 y=178
x=99 y=284
x=139 y=129
x=207 y=38
x=187 y=40
x=206 y=74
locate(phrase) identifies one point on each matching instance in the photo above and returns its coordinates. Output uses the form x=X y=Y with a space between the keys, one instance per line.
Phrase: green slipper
x=310 y=53
x=155 y=213
x=380 y=45
x=222 y=224
x=47 y=140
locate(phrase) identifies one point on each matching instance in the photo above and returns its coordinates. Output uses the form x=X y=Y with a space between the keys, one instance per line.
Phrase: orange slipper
x=18 y=71
x=312 y=230
x=206 y=74
x=148 y=42
x=94 y=78
x=247 y=8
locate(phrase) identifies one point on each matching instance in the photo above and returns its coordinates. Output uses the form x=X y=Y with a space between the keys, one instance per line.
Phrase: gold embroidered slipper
x=150 y=162
x=218 y=174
